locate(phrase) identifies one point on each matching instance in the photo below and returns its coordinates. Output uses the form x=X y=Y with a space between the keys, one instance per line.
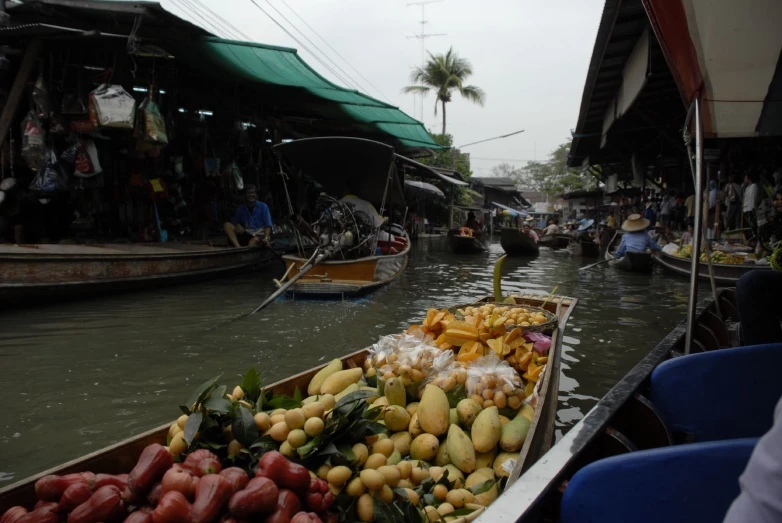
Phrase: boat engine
x=343 y=228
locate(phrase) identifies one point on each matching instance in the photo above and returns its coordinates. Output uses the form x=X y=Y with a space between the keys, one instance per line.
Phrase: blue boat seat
x=684 y=483
x=723 y=394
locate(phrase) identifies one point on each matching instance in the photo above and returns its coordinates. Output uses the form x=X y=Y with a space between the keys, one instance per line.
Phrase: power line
x=298 y=41
x=225 y=22
x=355 y=84
x=378 y=91
x=188 y=9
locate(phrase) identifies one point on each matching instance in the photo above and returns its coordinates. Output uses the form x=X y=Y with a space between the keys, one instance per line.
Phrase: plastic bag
x=51 y=178
x=671 y=249
x=33 y=141
x=409 y=357
x=41 y=96
x=450 y=376
x=493 y=382
x=154 y=129
x=87 y=164
x=114 y=107
x=237 y=174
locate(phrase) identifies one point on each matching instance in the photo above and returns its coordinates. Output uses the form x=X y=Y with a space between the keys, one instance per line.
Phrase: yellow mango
x=395 y=392
x=433 y=411
x=514 y=433
x=460 y=449
x=485 y=459
x=340 y=380
x=486 y=429
x=317 y=380
x=501 y=458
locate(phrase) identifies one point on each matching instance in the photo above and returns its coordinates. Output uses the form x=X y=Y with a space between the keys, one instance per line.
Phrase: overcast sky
x=529 y=56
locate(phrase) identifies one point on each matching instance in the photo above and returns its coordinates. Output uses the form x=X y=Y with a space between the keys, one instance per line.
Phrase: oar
x=302 y=271
x=593 y=265
x=549 y=296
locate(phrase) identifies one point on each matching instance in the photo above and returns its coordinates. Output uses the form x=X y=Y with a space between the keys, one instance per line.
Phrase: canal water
x=80 y=376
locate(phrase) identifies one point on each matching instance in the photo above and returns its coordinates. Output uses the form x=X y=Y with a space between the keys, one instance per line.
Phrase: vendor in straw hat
x=636 y=239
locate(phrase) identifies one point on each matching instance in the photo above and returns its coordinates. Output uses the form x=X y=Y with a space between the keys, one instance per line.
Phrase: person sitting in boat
x=472 y=222
x=526 y=229
x=636 y=239
x=551 y=229
x=252 y=223
x=686 y=238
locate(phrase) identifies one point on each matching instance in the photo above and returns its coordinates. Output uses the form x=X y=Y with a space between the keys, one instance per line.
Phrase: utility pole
x=422 y=36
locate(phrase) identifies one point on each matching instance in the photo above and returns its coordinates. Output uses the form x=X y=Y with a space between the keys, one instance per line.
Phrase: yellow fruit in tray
x=499 y=347
x=395 y=392
x=318 y=379
x=460 y=449
x=485 y=459
x=396 y=418
x=486 y=430
x=467 y=410
x=433 y=411
x=340 y=380
x=424 y=447
x=500 y=460
x=460 y=332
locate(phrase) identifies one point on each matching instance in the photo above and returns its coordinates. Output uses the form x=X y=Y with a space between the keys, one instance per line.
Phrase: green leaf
x=185 y=409
x=218 y=405
x=372 y=382
x=198 y=395
x=309 y=447
x=373 y=413
x=266 y=443
x=251 y=384
x=429 y=499
x=243 y=426
x=480 y=488
x=219 y=392
x=259 y=403
x=297 y=395
x=346 y=450
x=282 y=402
x=353 y=397
x=192 y=425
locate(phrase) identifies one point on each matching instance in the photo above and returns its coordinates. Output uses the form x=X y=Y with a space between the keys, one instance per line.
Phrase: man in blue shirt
x=635 y=239
x=252 y=223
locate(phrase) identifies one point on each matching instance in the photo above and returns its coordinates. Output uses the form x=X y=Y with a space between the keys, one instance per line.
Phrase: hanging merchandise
x=41 y=96
x=237 y=176
x=115 y=108
x=179 y=171
x=87 y=164
x=51 y=178
x=33 y=141
x=153 y=129
x=212 y=166
x=90 y=124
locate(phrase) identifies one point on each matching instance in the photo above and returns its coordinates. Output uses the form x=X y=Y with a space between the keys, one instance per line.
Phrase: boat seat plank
x=707 y=337
x=642 y=423
x=728 y=309
x=683 y=483
x=743 y=382
x=718 y=328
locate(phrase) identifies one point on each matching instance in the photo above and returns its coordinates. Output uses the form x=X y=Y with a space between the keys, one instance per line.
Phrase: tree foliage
x=553 y=177
x=443 y=74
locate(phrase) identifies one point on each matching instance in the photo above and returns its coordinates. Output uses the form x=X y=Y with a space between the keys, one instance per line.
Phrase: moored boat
x=555 y=241
x=121 y=457
x=468 y=241
x=515 y=243
x=725 y=275
x=74 y=271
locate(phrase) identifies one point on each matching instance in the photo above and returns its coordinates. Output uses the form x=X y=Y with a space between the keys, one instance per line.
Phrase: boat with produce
x=515 y=243
x=467 y=398
x=468 y=241
x=555 y=241
x=728 y=268
x=353 y=250
x=75 y=271
x=631 y=261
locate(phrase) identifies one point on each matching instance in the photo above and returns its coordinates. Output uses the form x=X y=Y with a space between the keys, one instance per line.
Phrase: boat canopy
x=340 y=164
x=513 y=212
x=424 y=188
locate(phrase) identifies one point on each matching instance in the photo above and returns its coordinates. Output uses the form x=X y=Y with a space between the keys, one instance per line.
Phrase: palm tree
x=443 y=74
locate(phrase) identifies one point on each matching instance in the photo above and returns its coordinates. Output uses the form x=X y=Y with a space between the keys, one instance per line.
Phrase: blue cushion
x=723 y=394
x=687 y=483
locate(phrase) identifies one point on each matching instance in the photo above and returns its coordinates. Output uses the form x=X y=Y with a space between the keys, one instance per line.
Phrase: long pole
x=697 y=234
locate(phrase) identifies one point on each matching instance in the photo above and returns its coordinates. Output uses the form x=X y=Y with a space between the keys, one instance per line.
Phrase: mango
x=486 y=430
x=317 y=380
x=349 y=389
x=370 y=399
x=481 y=476
x=526 y=411
x=414 y=428
x=412 y=408
x=455 y=475
x=424 y=447
x=453 y=418
x=514 y=433
x=442 y=458
x=460 y=449
x=340 y=380
x=485 y=459
x=467 y=410
x=395 y=392
x=394 y=458
x=402 y=441
x=396 y=418
x=501 y=458
x=434 y=413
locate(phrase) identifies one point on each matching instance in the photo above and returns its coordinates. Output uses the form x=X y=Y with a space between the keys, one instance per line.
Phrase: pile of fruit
x=420 y=433
x=716 y=256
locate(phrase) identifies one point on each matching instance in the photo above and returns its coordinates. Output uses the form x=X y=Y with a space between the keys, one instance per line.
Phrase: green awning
x=282 y=70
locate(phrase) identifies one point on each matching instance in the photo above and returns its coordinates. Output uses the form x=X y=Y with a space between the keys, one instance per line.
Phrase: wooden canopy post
x=15 y=96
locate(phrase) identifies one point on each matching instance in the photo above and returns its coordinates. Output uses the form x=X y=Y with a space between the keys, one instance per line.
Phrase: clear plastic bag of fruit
x=449 y=375
x=493 y=382
x=408 y=357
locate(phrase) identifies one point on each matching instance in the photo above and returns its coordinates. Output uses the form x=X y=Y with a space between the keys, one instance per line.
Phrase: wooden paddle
x=594 y=265
x=315 y=259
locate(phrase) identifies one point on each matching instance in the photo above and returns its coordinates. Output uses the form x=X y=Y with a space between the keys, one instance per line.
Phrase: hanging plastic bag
x=237 y=174
x=115 y=108
x=212 y=166
x=33 y=141
x=51 y=178
x=86 y=164
x=41 y=96
x=154 y=124
x=492 y=382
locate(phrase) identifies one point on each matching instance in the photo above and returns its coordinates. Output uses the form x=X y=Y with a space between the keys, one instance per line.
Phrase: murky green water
x=80 y=376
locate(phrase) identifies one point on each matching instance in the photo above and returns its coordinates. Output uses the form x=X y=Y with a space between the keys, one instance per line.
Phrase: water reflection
x=83 y=375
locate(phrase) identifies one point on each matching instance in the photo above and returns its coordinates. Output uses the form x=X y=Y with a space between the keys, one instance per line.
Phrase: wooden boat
x=587 y=249
x=368 y=170
x=347 y=277
x=71 y=271
x=515 y=243
x=632 y=261
x=724 y=275
x=462 y=243
x=555 y=241
x=121 y=457
x=624 y=420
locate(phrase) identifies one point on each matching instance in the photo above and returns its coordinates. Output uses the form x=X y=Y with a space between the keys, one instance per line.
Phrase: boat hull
x=556 y=241
x=632 y=262
x=73 y=271
x=121 y=457
x=515 y=243
x=724 y=275
x=587 y=249
x=460 y=244
x=340 y=278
